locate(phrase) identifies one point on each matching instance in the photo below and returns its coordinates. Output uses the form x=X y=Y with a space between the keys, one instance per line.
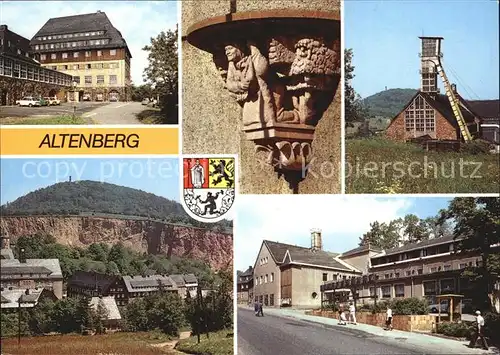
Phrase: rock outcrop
x=216 y=248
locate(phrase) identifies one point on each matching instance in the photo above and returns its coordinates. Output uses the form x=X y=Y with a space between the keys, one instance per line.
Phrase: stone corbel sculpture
x=283 y=80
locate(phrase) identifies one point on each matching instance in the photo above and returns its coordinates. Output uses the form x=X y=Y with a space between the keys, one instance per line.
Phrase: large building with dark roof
x=290 y=275
x=21 y=73
x=244 y=285
x=90 y=49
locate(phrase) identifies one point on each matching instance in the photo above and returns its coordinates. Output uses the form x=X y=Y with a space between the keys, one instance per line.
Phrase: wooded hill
x=388 y=103
x=68 y=198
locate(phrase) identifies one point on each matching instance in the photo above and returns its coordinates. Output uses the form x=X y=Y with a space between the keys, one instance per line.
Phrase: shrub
x=492 y=326
x=410 y=306
x=459 y=330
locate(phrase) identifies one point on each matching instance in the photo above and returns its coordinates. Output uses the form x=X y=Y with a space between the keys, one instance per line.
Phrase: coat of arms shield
x=208 y=186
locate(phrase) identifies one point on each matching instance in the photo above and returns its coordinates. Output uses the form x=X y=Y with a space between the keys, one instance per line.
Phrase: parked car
x=52 y=100
x=43 y=102
x=113 y=99
x=145 y=102
x=434 y=308
x=28 y=101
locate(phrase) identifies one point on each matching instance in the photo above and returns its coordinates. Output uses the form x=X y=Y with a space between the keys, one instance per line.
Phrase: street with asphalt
x=94 y=112
x=291 y=332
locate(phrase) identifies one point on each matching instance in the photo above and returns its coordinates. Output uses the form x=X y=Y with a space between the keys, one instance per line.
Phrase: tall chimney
x=5 y=242
x=429 y=57
x=316 y=239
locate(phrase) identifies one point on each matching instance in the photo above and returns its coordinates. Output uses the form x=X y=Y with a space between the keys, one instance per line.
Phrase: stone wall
x=212 y=119
x=408 y=323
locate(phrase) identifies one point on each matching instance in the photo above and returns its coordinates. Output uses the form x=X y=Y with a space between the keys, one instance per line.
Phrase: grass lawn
x=55 y=120
x=107 y=344
x=383 y=166
x=220 y=343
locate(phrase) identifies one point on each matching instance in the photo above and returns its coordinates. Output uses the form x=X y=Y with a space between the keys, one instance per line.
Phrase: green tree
x=100 y=315
x=415 y=229
x=382 y=235
x=476 y=230
x=166 y=312
x=353 y=109
x=162 y=72
x=40 y=321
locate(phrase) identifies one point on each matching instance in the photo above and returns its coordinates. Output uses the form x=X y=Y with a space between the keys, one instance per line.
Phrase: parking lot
x=66 y=108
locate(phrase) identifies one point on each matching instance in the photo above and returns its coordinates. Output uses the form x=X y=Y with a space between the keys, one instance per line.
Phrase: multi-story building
x=31 y=273
x=425 y=270
x=21 y=73
x=90 y=49
x=244 y=285
x=289 y=275
x=126 y=288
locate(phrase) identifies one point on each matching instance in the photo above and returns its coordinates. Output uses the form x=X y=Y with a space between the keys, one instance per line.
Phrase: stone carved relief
x=283 y=85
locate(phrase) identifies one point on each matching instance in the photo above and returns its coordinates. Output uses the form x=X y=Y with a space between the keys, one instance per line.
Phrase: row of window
x=87 y=54
x=430 y=288
x=414 y=254
x=420 y=116
x=14 y=69
x=335 y=277
x=87 y=66
x=264 y=260
x=266 y=300
x=432 y=269
x=264 y=279
x=97 y=42
x=71 y=35
x=112 y=79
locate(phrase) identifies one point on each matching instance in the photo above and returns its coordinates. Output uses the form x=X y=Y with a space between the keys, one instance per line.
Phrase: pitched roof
x=358 y=250
x=6 y=254
x=415 y=246
x=109 y=304
x=485 y=108
x=92 y=279
x=303 y=255
x=441 y=103
x=97 y=21
x=11 y=298
x=31 y=266
x=247 y=272
x=148 y=283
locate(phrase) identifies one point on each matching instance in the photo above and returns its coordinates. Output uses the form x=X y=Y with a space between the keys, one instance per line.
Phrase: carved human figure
x=247 y=82
x=197 y=175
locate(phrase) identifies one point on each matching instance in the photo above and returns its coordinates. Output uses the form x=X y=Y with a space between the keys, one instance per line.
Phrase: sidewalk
x=423 y=341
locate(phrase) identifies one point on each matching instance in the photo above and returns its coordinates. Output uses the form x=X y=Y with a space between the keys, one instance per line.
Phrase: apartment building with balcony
x=90 y=49
x=425 y=270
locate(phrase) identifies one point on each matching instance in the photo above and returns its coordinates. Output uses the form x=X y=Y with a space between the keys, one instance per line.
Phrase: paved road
x=116 y=113
x=64 y=109
x=272 y=335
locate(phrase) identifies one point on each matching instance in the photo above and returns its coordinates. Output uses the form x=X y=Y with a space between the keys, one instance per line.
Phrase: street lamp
x=74 y=98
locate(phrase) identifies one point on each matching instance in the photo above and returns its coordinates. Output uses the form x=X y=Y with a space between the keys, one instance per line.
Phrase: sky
x=342 y=219
x=384 y=38
x=156 y=176
x=137 y=21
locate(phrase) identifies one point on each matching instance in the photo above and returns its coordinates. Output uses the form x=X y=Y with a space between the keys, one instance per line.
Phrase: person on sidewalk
x=479 y=332
x=342 y=317
x=261 y=311
x=256 y=308
x=352 y=313
x=388 y=322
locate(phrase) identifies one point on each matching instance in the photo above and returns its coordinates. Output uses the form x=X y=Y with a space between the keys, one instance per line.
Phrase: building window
x=420 y=271
x=399 y=290
x=100 y=79
x=99 y=53
x=43 y=57
x=386 y=276
x=88 y=79
x=265 y=279
x=325 y=276
x=261 y=280
x=372 y=291
x=447 y=286
x=272 y=277
x=463 y=265
x=271 y=299
x=429 y=288
x=112 y=52
x=65 y=55
x=408 y=273
x=447 y=267
x=53 y=56
x=396 y=275
x=75 y=54
x=112 y=79
x=420 y=116
x=75 y=67
x=54 y=67
x=76 y=79
x=433 y=269
x=386 y=291
x=88 y=53
x=89 y=66
x=266 y=300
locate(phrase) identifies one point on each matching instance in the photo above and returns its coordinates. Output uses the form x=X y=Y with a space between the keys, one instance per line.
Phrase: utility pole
x=19 y=321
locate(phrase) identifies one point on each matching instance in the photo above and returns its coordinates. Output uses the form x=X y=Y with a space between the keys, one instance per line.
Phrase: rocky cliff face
x=146 y=236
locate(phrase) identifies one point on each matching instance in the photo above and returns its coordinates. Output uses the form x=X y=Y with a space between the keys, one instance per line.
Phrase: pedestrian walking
x=352 y=313
x=256 y=308
x=261 y=311
x=479 y=332
x=388 y=322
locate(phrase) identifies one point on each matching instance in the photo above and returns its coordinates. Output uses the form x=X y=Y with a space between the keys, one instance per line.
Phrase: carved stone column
x=282 y=66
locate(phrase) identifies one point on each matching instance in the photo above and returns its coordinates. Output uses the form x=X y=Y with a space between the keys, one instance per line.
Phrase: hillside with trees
x=73 y=198
x=388 y=103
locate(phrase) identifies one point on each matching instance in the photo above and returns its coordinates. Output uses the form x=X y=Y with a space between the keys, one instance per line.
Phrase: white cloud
x=138 y=21
x=289 y=219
